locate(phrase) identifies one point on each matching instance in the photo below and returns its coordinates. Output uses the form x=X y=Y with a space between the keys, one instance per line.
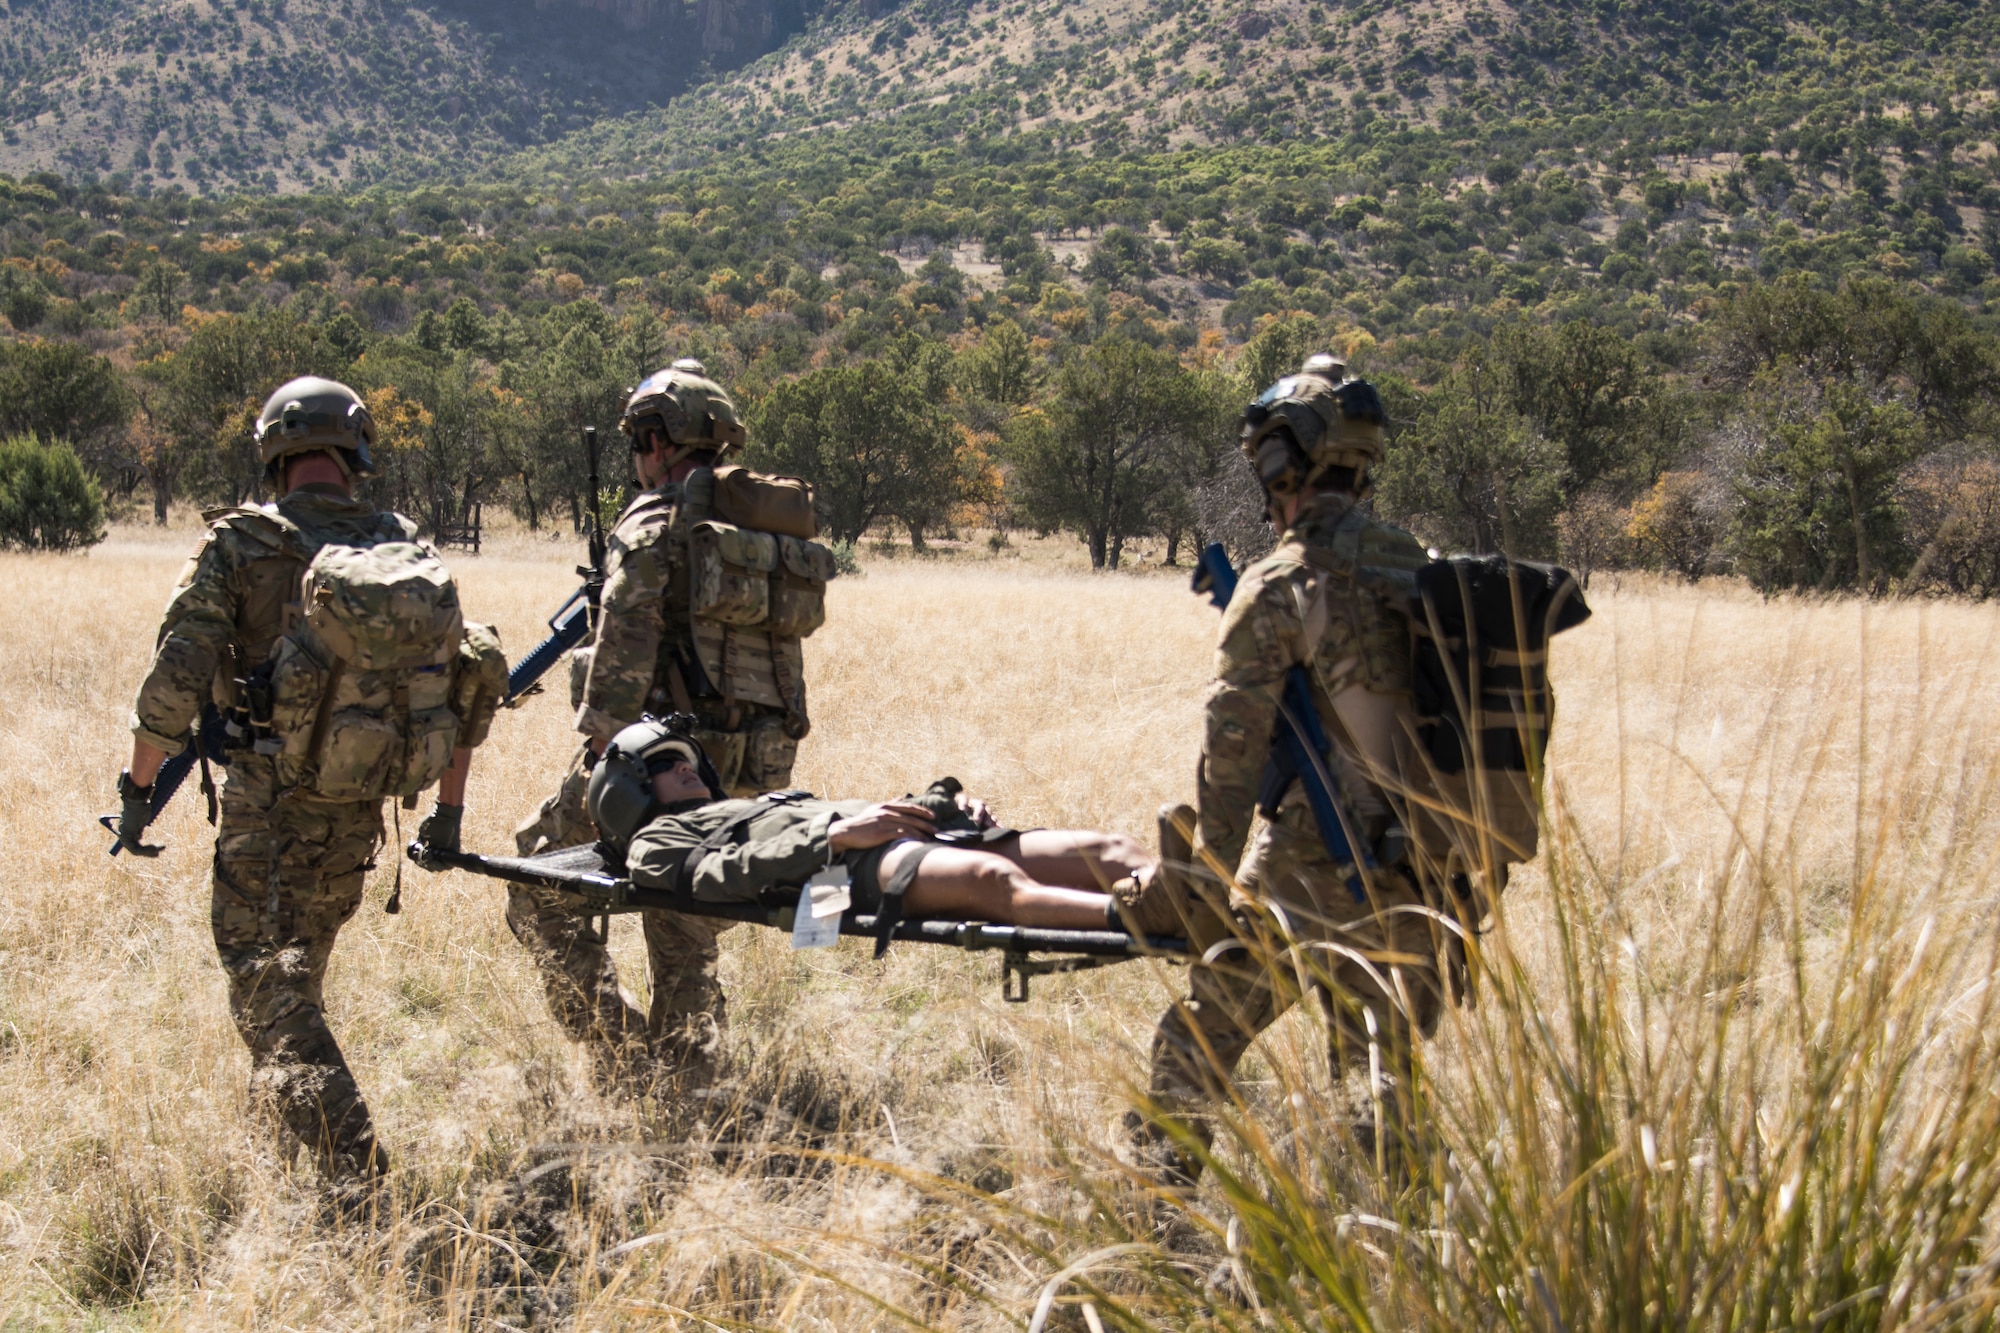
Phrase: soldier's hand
x=879 y=824
x=135 y=812
x=440 y=829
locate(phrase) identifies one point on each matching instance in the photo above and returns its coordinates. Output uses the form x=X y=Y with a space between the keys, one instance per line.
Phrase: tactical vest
x=755 y=590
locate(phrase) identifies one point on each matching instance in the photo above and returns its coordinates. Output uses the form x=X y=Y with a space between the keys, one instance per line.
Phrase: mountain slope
x=1152 y=74
x=281 y=95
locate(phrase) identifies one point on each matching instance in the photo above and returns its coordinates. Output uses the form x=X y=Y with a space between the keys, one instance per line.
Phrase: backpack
x=359 y=695
x=757 y=588
x=1481 y=692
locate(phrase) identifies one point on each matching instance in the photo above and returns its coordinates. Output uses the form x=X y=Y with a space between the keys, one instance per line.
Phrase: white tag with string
x=816 y=920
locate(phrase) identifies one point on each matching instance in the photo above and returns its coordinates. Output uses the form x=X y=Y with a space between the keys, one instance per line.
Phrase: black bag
x=1481 y=663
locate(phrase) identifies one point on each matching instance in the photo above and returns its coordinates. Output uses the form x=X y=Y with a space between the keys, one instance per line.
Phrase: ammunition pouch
x=756 y=589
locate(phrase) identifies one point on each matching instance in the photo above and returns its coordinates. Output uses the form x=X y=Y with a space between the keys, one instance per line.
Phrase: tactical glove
x=439 y=831
x=135 y=812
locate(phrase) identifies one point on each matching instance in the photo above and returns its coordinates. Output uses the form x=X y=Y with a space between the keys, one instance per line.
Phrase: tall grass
x=1728 y=1065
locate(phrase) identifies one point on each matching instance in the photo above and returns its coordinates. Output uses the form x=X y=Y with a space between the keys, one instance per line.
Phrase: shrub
x=1952 y=506
x=47 y=501
x=25 y=307
x=1678 y=525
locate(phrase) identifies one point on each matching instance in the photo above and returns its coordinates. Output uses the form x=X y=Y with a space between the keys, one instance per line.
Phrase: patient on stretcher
x=939 y=855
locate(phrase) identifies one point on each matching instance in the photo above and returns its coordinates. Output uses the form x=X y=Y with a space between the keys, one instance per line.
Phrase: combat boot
x=1145 y=905
x=1177 y=897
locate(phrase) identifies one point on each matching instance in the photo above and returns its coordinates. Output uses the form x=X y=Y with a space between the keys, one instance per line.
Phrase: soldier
x=289 y=861
x=1321 y=600
x=660 y=648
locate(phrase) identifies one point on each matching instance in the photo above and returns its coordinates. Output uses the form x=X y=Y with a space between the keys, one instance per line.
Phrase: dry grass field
x=1730 y=1068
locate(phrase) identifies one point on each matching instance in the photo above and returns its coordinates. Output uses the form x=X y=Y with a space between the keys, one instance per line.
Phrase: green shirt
x=782 y=846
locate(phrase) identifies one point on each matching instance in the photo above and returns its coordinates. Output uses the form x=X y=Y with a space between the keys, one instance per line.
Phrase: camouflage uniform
x=288 y=866
x=643 y=661
x=1303 y=604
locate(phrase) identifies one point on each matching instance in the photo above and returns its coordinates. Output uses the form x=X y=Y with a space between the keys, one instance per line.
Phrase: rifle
x=576 y=619
x=582 y=871
x=1299 y=745
x=210 y=742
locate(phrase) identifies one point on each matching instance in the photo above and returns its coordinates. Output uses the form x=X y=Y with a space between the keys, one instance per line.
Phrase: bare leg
x=1080 y=858
x=959 y=882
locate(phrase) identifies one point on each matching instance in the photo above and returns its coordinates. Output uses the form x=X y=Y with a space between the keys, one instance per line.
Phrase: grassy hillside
x=1404 y=163
x=1578 y=170
x=1127 y=73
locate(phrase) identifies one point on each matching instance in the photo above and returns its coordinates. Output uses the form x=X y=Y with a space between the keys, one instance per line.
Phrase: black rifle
x=575 y=621
x=582 y=871
x=1298 y=743
x=208 y=744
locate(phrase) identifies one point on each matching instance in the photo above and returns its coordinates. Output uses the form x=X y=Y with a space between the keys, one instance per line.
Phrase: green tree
x=1834 y=395
x=1584 y=389
x=48 y=502
x=464 y=326
x=941 y=474
x=575 y=382
x=1001 y=367
x=157 y=292
x=1108 y=451
x=25 y=306
x=62 y=391
x=1870 y=332
x=461 y=435
x=872 y=441
x=1817 y=480
x=209 y=392
x=1471 y=473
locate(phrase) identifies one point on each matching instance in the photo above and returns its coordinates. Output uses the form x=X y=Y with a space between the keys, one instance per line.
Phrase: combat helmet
x=620 y=797
x=1306 y=425
x=689 y=408
x=312 y=415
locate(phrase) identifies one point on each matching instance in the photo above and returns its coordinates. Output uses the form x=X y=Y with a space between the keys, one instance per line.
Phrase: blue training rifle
x=208 y=743
x=1298 y=743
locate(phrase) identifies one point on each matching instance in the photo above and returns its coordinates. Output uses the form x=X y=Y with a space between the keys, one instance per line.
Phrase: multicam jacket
x=645 y=569
x=1319 y=599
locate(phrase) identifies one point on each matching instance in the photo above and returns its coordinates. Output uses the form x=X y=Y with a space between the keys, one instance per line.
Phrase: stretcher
x=1025 y=951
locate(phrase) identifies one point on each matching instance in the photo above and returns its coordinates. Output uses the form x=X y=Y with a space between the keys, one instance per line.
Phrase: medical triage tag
x=816 y=922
